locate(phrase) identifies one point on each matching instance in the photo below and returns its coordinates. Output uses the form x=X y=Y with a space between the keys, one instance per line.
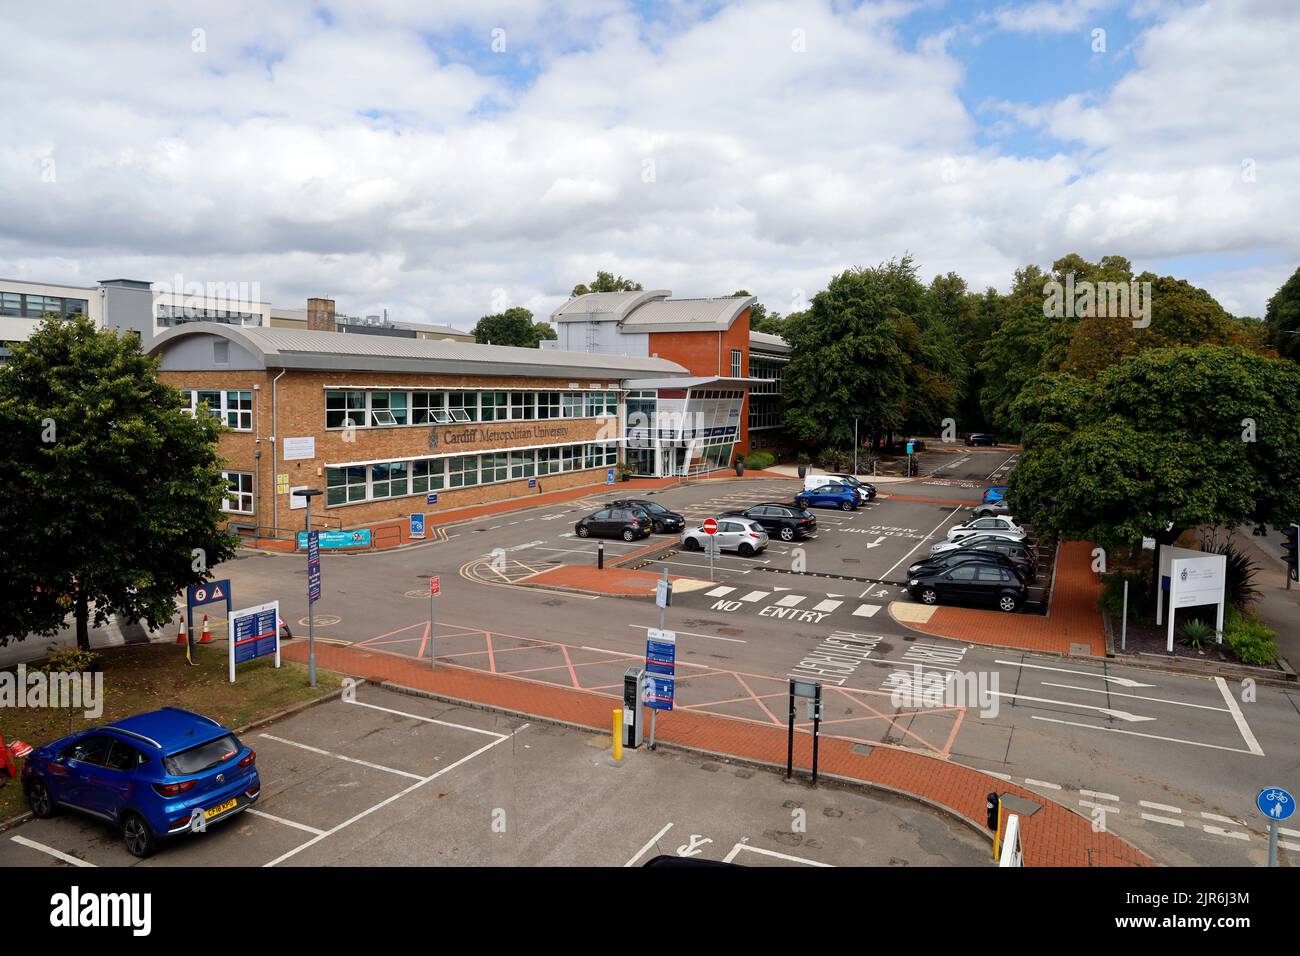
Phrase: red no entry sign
x=710 y=526
x=435 y=585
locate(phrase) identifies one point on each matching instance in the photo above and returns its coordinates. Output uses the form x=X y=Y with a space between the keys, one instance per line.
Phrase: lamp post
x=309 y=494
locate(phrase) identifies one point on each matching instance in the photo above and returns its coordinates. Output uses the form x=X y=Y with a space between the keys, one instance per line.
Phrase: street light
x=309 y=494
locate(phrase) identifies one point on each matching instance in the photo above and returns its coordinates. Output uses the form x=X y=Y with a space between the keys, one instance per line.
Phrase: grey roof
x=655 y=311
x=605 y=306
x=721 y=381
x=304 y=349
x=766 y=342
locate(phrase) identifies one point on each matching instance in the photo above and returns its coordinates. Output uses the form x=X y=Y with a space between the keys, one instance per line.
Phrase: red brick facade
x=709 y=353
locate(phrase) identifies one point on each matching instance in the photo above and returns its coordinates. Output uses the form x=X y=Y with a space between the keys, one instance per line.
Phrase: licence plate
x=228 y=805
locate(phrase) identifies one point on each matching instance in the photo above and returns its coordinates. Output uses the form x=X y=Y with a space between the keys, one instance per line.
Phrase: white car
x=864 y=491
x=1001 y=525
x=742 y=535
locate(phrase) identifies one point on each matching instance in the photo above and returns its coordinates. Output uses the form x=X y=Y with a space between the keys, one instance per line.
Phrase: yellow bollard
x=997 y=835
x=618 y=733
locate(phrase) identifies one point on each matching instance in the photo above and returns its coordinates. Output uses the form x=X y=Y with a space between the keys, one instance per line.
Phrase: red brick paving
x=1073 y=617
x=1054 y=836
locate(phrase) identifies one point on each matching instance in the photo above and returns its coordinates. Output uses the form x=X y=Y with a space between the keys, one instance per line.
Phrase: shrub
x=1196 y=633
x=835 y=459
x=759 y=460
x=70 y=660
x=1112 y=595
x=1239 y=587
x=1253 y=641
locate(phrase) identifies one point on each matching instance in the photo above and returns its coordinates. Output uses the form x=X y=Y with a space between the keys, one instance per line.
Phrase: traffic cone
x=180 y=630
x=207 y=635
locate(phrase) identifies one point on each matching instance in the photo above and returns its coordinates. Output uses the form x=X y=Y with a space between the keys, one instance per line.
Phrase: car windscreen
x=203 y=757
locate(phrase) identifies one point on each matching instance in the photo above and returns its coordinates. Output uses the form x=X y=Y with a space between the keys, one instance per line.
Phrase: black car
x=982 y=438
x=1019 y=552
x=787 y=522
x=973 y=582
x=626 y=523
x=950 y=559
x=662 y=521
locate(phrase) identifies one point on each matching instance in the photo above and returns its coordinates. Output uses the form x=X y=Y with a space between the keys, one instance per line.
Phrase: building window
x=736 y=363
x=496 y=406
x=571 y=404
x=548 y=461
x=345 y=408
x=548 y=405
x=523 y=406
x=463 y=406
x=221 y=352
x=462 y=471
x=522 y=464
x=495 y=467
x=429 y=408
x=234 y=408
x=345 y=484
x=239 y=492
x=427 y=475
x=239 y=411
x=388 y=408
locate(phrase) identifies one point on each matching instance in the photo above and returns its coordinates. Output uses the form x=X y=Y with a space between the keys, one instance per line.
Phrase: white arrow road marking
x=1114 y=693
x=879 y=540
x=1122 y=681
x=694 y=848
x=1121 y=714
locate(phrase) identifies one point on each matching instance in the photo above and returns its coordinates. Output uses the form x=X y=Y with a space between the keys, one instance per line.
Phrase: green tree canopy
x=1166 y=440
x=605 y=282
x=760 y=320
x=110 y=495
x=514 y=326
x=1282 y=318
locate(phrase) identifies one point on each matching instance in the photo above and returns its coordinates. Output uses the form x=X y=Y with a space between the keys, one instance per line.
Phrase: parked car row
x=630 y=519
x=989 y=559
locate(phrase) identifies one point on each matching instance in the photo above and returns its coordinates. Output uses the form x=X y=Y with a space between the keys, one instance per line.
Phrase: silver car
x=1002 y=525
x=742 y=535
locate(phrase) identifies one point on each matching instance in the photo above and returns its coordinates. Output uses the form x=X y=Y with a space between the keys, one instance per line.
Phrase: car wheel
x=787 y=534
x=658 y=527
x=1008 y=603
x=137 y=836
x=583 y=531
x=38 y=798
x=929 y=596
x=690 y=544
x=629 y=534
x=846 y=506
x=801 y=502
x=745 y=551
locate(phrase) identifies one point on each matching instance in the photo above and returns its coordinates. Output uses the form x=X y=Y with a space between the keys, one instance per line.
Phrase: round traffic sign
x=1275 y=803
x=710 y=526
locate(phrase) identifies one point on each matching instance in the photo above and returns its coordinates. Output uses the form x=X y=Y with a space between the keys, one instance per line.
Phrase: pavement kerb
x=14 y=821
x=779 y=769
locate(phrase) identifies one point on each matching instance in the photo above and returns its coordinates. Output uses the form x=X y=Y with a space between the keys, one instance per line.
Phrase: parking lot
x=395 y=780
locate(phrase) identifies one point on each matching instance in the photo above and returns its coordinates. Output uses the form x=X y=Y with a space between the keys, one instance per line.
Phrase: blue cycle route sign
x=1275 y=803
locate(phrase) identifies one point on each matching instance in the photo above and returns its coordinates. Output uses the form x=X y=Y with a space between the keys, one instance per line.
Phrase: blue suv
x=828 y=496
x=153 y=775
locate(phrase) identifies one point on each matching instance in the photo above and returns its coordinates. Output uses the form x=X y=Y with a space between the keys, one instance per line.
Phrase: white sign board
x=298 y=449
x=1193 y=579
x=296 y=500
x=663 y=593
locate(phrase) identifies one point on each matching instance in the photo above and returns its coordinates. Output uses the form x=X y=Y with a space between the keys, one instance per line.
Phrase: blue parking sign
x=417 y=527
x=431 y=498
x=659 y=692
x=609 y=478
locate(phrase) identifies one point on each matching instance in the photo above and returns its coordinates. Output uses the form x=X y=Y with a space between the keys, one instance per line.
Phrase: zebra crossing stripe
x=791 y=600
x=719 y=592
x=866 y=610
x=827 y=606
x=756 y=595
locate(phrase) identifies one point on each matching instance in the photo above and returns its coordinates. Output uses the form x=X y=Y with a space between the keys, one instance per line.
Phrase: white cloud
x=389 y=160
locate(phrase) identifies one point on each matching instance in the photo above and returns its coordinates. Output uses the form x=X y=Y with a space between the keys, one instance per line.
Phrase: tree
x=110 y=495
x=514 y=326
x=760 y=320
x=1282 y=318
x=1167 y=440
x=606 y=282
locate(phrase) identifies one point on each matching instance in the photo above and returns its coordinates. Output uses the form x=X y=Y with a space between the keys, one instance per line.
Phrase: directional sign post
x=198 y=595
x=1276 y=804
x=435 y=588
x=313 y=568
x=661 y=669
x=710 y=528
x=254 y=632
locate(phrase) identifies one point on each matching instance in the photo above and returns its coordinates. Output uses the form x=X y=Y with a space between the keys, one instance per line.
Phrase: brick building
x=689 y=425
x=386 y=426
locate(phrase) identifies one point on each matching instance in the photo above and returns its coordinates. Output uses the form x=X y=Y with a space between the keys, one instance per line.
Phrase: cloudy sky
x=447 y=158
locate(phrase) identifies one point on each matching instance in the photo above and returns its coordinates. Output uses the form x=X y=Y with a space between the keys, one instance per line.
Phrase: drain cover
x=1080 y=650
x=861 y=749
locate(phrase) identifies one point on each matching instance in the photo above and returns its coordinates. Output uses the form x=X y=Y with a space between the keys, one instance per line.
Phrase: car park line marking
x=50 y=851
x=1099 y=806
x=1283 y=830
x=866 y=610
x=1222 y=819
x=1159 y=806
x=427 y=720
x=649 y=843
x=422 y=781
x=1121 y=714
x=1115 y=693
x=1000 y=776
x=1030 y=782
x=1122 y=681
x=327 y=753
x=735 y=851
x=1099 y=795
x=289 y=823
x=947 y=518
x=1135 y=733
x=1240 y=718
x=756 y=595
x=712 y=637
x=720 y=592
x=1165 y=820
x=827 y=606
x=1288 y=845
x=791 y=600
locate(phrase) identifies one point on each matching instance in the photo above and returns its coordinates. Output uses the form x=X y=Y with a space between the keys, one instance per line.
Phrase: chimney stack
x=320 y=315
